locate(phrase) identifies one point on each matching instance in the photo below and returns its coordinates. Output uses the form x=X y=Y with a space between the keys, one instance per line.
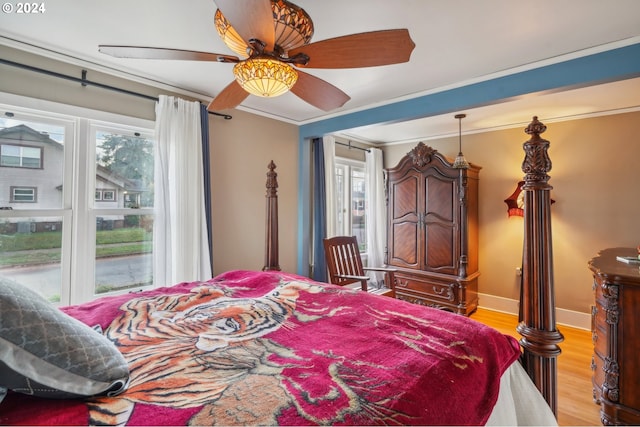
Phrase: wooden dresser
x=616 y=337
x=432 y=230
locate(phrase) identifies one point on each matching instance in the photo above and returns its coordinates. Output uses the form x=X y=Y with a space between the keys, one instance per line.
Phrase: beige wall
x=597 y=202
x=241 y=149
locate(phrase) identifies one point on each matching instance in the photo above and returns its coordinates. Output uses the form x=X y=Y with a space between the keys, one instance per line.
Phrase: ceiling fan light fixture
x=293 y=26
x=266 y=77
x=229 y=35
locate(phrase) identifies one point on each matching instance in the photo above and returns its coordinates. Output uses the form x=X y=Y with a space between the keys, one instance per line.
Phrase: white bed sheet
x=519 y=402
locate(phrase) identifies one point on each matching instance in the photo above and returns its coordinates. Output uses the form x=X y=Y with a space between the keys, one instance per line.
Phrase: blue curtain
x=319 y=212
x=206 y=171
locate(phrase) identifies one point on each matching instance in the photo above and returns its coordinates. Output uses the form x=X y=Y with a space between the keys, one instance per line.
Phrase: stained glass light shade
x=292 y=26
x=460 y=162
x=229 y=35
x=266 y=77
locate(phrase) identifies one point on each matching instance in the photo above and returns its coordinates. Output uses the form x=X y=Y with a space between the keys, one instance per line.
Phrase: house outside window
x=351 y=200
x=62 y=212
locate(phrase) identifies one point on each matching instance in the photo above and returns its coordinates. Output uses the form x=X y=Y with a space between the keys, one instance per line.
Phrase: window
x=76 y=241
x=20 y=156
x=124 y=159
x=351 y=200
x=23 y=194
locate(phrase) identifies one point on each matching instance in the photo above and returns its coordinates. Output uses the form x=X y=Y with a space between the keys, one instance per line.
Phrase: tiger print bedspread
x=268 y=348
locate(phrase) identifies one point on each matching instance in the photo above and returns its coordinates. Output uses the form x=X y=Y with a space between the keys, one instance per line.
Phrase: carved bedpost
x=271 y=229
x=540 y=338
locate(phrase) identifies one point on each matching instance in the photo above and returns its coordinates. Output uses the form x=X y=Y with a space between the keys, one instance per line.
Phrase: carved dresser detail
x=615 y=328
x=432 y=230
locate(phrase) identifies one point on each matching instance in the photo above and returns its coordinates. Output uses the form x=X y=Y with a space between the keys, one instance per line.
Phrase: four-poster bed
x=540 y=338
x=269 y=348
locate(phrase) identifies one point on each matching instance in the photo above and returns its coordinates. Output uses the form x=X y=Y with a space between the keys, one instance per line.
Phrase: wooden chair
x=345 y=267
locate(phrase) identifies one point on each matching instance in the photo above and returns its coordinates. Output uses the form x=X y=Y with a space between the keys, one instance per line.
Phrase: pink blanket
x=249 y=348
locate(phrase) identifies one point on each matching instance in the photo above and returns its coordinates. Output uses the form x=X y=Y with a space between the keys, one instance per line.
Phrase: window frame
x=12 y=194
x=77 y=211
x=346 y=227
x=21 y=156
x=99 y=210
x=108 y=195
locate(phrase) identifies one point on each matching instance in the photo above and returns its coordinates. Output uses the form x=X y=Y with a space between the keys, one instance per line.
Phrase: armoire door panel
x=405 y=195
x=405 y=251
x=440 y=197
x=441 y=206
x=441 y=250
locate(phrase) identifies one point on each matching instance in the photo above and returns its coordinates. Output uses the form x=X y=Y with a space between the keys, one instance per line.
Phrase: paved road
x=117 y=271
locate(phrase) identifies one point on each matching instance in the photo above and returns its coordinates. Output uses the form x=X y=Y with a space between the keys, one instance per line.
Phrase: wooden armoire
x=432 y=230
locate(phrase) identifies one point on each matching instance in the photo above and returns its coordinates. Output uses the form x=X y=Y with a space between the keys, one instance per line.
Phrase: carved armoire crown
x=432 y=230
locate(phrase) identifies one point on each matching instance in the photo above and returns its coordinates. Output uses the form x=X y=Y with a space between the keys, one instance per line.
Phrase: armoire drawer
x=443 y=293
x=597 y=365
x=600 y=342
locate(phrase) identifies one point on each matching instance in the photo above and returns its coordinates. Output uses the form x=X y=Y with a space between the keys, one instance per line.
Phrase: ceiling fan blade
x=252 y=19
x=230 y=97
x=319 y=93
x=359 y=50
x=140 y=52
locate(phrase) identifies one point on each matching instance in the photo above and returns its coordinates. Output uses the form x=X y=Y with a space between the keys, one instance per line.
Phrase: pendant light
x=460 y=162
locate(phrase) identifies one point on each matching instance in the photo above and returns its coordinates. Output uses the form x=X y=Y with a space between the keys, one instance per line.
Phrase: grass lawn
x=44 y=247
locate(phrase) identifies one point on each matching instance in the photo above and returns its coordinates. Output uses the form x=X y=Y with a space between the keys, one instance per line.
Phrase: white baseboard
x=574 y=319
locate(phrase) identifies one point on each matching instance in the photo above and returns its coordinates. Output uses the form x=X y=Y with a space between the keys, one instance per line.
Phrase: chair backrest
x=343 y=258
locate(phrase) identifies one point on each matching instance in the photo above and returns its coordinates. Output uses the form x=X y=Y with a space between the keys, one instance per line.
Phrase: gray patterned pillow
x=45 y=352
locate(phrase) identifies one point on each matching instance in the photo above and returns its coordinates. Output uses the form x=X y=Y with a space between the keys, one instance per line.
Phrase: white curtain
x=329 y=148
x=376 y=208
x=181 y=251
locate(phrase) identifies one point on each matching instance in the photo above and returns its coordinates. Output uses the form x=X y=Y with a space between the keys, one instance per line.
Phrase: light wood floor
x=575 y=401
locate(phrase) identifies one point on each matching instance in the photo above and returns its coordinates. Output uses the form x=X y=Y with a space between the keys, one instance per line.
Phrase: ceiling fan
x=272 y=37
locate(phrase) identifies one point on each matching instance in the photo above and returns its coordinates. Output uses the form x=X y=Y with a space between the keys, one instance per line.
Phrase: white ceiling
x=610 y=98
x=457 y=42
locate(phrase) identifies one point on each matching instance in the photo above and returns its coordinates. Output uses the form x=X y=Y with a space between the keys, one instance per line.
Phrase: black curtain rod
x=84 y=82
x=353 y=146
